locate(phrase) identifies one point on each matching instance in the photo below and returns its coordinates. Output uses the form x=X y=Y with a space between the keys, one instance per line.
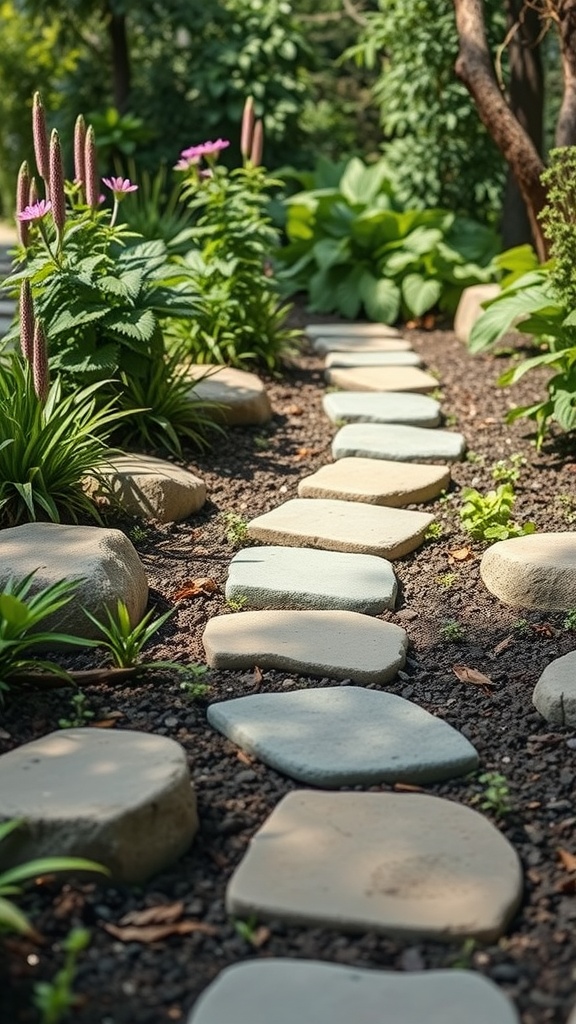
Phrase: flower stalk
x=26 y=311
x=40 y=137
x=80 y=155
x=22 y=200
x=91 y=170
x=257 y=144
x=247 y=132
x=56 y=186
x=40 y=371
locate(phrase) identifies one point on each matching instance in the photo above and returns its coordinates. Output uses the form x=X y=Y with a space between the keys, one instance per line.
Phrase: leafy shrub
x=351 y=247
x=489 y=516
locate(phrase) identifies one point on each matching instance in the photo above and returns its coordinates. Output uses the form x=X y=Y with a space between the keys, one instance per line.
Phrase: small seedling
x=496 y=796
x=56 y=998
x=124 y=642
x=246 y=929
x=192 y=684
x=450 y=420
x=236 y=529
x=261 y=441
x=452 y=631
x=489 y=516
x=521 y=625
x=474 y=457
x=447 y=579
x=236 y=604
x=434 y=531
x=80 y=712
x=507 y=471
x=463 y=960
x=138 y=533
x=568 y=505
x=437 y=394
x=570 y=620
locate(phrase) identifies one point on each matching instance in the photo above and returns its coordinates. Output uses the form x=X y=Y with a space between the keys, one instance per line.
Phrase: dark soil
x=249 y=471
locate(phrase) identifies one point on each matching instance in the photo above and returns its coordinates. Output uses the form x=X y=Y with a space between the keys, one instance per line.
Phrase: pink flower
x=37 y=211
x=194 y=153
x=184 y=165
x=120 y=186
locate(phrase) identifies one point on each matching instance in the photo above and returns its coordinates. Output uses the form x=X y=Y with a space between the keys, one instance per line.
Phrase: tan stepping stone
x=382 y=378
x=408 y=866
x=284 y=991
x=104 y=563
x=123 y=799
x=470 y=308
x=535 y=571
x=335 y=359
x=338 y=645
x=150 y=488
x=347 y=328
x=555 y=692
x=342 y=526
x=242 y=397
x=376 y=482
x=335 y=343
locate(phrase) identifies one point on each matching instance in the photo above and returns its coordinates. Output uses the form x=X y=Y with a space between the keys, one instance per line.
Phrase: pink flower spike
x=204 y=149
x=120 y=186
x=37 y=211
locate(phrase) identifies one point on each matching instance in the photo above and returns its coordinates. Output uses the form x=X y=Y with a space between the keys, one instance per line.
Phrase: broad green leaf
x=504 y=312
x=14 y=611
x=352 y=180
x=348 y=294
x=420 y=294
x=381 y=298
x=330 y=251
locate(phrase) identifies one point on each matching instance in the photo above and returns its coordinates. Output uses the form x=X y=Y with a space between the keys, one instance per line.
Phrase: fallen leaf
x=303 y=453
x=245 y=758
x=260 y=936
x=504 y=645
x=157 y=932
x=257 y=678
x=568 y=859
x=461 y=554
x=204 y=585
x=544 y=629
x=471 y=675
x=105 y=723
x=162 y=913
x=406 y=787
x=294 y=410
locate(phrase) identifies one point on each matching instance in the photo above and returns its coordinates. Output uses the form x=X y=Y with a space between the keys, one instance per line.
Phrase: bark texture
x=566 y=21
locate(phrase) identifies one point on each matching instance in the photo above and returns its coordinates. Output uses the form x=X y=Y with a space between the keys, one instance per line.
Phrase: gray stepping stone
x=344 y=736
x=284 y=577
x=372 y=359
x=342 y=526
x=397 y=442
x=555 y=693
x=348 y=328
x=376 y=482
x=241 y=396
x=408 y=866
x=384 y=407
x=336 y=645
x=123 y=799
x=382 y=378
x=335 y=343
x=535 y=571
x=150 y=488
x=284 y=991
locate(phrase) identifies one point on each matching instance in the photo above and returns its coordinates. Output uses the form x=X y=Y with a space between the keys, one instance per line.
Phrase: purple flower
x=194 y=153
x=37 y=211
x=120 y=186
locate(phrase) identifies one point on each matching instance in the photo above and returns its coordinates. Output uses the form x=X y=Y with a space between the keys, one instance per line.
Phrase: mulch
x=249 y=471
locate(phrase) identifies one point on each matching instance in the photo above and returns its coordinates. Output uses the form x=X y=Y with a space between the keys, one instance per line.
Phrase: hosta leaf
x=504 y=311
x=420 y=293
x=348 y=295
x=381 y=298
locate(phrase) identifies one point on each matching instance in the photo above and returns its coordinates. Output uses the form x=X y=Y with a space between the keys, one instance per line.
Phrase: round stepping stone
x=104 y=564
x=242 y=397
x=376 y=482
x=344 y=736
x=535 y=571
x=336 y=343
x=284 y=577
x=382 y=378
x=555 y=693
x=150 y=488
x=386 y=407
x=338 y=645
x=334 y=359
x=350 y=329
x=342 y=526
x=408 y=866
x=397 y=442
x=123 y=799
x=285 y=991
x=470 y=308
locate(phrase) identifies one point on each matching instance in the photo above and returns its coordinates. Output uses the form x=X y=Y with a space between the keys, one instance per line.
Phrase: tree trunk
x=474 y=68
x=566 y=125
x=121 y=74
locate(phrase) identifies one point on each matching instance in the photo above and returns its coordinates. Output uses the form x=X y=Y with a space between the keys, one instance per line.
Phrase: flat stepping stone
x=344 y=736
x=382 y=378
x=397 y=442
x=285 y=991
x=242 y=397
x=285 y=577
x=535 y=571
x=349 y=329
x=150 y=488
x=104 y=564
x=336 y=645
x=407 y=866
x=376 y=482
x=372 y=359
x=350 y=344
x=123 y=799
x=386 y=407
x=342 y=526
x=555 y=693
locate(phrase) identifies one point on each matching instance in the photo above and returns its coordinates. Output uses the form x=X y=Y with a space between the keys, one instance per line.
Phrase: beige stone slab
x=150 y=488
x=346 y=343
x=241 y=396
x=334 y=360
x=409 y=866
x=332 y=644
x=470 y=308
x=535 y=571
x=382 y=378
x=350 y=329
x=376 y=482
x=342 y=526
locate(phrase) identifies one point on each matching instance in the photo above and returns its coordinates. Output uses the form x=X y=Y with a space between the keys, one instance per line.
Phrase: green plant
x=521 y=625
x=12 y=919
x=80 y=712
x=463 y=961
x=496 y=796
x=452 y=631
x=138 y=534
x=157 y=210
x=489 y=516
x=475 y=457
x=508 y=470
x=236 y=528
x=434 y=531
x=261 y=441
x=246 y=929
x=570 y=620
x=236 y=604
x=124 y=642
x=447 y=580
x=56 y=998
x=193 y=687
x=568 y=505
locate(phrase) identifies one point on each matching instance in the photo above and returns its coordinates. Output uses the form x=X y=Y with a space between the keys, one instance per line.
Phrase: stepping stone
x=397 y=442
x=349 y=329
x=242 y=397
x=284 y=577
x=103 y=562
x=123 y=799
x=407 y=866
x=555 y=693
x=338 y=645
x=382 y=378
x=535 y=571
x=284 y=991
x=384 y=407
x=376 y=482
x=342 y=526
x=348 y=343
x=150 y=488
x=470 y=308
x=372 y=359
x=344 y=736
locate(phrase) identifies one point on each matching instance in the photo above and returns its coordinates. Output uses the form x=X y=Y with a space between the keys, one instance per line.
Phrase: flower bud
x=257 y=144
x=247 y=128
x=56 y=188
x=33 y=193
x=79 y=153
x=22 y=200
x=40 y=136
x=91 y=170
x=26 y=320
x=40 y=372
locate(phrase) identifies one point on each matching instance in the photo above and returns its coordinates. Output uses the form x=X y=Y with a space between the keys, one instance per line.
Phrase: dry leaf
x=294 y=410
x=544 y=629
x=503 y=645
x=163 y=913
x=568 y=859
x=461 y=554
x=257 y=678
x=245 y=758
x=105 y=723
x=204 y=586
x=471 y=675
x=303 y=453
x=406 y=787
x=157 y=932
x=260 y=936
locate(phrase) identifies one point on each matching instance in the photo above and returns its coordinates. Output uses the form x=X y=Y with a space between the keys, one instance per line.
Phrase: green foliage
x=192 y=684
x=508 y=471
x=124 y=642
x=452 y=631
x=352 y=247
x=489 y=516
x=557 y=219
x=447 y=580
x=237 y=604
x=496 y=796
x=434 y=531
x=80 y=713
x=236 y=529
x=570 y=620
x=156 y=210
x=56 y=998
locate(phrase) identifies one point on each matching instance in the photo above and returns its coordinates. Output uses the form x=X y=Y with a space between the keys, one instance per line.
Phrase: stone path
x=375 y=358
x=382 y=407
x=376 y=481
x=382 y=378
x=397 y=442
